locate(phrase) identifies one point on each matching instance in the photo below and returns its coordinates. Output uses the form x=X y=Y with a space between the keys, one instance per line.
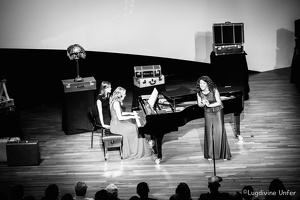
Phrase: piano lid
x=179 y=92
x=183 y=93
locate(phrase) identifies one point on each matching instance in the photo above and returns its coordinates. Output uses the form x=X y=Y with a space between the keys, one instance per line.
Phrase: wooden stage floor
x=270 y=149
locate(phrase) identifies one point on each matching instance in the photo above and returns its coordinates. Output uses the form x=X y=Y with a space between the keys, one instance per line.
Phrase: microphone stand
x=213 y=143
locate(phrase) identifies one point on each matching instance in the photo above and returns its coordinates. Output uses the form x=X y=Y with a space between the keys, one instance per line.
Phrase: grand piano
x=175 y=108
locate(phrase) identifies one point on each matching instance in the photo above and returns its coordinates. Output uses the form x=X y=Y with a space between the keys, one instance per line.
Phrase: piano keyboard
x=137 y=120
x=140 y=122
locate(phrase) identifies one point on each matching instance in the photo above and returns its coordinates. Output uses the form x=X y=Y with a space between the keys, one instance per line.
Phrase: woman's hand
x=106 y=126
x=135 y=115
x=205 y=102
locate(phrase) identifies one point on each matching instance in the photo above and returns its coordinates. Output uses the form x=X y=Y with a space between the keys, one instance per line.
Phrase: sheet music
x=153 y=97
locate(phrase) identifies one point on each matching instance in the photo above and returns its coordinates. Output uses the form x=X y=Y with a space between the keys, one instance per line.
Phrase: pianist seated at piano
x=133 y=146
x=102 y=103
x=209 y=98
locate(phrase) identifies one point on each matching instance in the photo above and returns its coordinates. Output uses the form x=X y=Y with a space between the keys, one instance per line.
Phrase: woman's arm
x=218 y=100
x=199 y=101
x=127 y=113
x=119 y=112
x=99 y=106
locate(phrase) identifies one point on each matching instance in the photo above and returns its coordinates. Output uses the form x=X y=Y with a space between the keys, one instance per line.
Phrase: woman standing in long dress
x=209 y=98
x=133 y=147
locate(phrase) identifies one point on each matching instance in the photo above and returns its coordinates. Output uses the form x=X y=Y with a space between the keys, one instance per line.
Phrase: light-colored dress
x=133 y=147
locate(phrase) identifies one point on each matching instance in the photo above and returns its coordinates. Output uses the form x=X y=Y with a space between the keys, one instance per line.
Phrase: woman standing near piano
x=215 y=137
x=133 y=147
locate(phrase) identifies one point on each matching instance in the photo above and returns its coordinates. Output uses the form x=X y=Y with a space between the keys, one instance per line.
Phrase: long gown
x=214 y=126
x=133 y=147
x=105 y=109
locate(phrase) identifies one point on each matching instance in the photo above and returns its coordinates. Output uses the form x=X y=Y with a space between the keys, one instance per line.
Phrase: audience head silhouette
x=67 y=196
x=17 y=192
x=247 y=192
x=80 y=188
x=112 y=191
x=276 y=188
x=237 y=196
x=142 y=190
x=134 y=198
x=175 y=197
x=101 y=195
x=52 y=192
x=276 y=185
x=183 y=190
x=214 y=183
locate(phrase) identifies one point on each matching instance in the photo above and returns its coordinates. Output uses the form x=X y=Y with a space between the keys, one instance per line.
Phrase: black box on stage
x=23 y=153
x=77 y=98
x=10 y=122
x=228 y=38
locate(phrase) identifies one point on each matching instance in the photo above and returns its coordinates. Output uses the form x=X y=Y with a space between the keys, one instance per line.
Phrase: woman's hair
x=117 y=95
x=103 y=86
x=210 y=84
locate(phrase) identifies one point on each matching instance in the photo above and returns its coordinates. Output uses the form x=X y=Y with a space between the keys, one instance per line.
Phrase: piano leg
x=158 y=146
x=237 y=122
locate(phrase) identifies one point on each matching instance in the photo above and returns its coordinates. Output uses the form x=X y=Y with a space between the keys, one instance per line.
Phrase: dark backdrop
x=34 y=77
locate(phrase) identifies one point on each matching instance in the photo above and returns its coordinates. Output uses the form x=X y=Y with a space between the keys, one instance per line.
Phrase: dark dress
x=214 y=126
x=105 y=109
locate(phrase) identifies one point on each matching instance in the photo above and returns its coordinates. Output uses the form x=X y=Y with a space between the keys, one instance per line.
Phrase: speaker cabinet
x=23 y=153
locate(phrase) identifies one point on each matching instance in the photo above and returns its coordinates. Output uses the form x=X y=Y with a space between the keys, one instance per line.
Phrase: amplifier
x=149 y=71
x=3 y=142
x=88 y=83
x=23 y=153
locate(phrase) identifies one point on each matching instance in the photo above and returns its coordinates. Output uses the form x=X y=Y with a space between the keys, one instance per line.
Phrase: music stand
x=214 y=160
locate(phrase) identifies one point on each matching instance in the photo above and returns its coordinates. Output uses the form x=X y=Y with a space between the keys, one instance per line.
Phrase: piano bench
x=111 y=140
